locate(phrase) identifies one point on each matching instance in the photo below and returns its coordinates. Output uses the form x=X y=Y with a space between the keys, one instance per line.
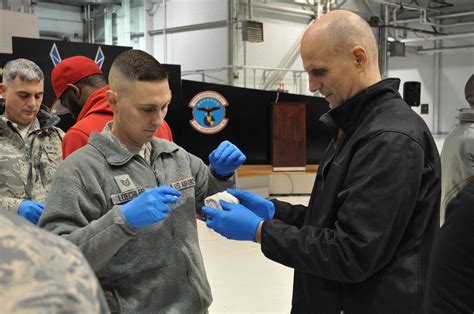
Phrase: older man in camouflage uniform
x=31 y=144
x=42 y=273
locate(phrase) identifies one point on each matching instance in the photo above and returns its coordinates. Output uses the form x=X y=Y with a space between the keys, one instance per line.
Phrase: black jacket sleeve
x=290 y=214
x=375 y=203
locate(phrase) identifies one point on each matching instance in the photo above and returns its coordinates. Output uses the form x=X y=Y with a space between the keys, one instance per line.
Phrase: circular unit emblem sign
x=208 y=112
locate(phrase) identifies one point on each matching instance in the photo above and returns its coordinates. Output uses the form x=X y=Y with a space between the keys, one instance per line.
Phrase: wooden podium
x=289 y=136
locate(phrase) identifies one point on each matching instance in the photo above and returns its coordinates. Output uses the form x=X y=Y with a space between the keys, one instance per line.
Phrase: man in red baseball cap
x=81 y=89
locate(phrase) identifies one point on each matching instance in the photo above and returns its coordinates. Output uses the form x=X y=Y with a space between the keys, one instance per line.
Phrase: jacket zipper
x=29 y=176
x=341 y=311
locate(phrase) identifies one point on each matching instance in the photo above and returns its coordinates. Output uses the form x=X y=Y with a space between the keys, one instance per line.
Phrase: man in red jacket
x=80 y=86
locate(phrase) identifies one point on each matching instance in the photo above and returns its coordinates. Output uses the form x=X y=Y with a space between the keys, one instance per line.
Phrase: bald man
x=363 y=242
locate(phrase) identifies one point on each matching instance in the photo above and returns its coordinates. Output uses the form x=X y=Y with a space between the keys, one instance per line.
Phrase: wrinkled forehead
x=29 y=85
x=313 y=34
x=317 y=53
x=315 y=42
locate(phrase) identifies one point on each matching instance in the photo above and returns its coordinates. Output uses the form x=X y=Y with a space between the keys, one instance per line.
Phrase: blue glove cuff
x=256 y=222
x=220 y=176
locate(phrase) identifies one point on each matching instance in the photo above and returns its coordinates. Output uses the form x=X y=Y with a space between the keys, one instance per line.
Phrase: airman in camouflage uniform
x=42 y=273
x=31 y=144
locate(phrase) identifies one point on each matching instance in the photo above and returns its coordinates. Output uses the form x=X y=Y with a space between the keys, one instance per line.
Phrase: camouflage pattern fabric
x=27 y=167
x=42 y=273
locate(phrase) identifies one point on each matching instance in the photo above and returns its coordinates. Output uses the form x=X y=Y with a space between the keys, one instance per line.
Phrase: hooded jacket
x=27 y=166
x=362 y=245
x=93 y=117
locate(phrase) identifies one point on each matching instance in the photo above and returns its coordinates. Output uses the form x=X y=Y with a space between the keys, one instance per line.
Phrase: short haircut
x=347 y=31
x=137 y=65
x=25 y=69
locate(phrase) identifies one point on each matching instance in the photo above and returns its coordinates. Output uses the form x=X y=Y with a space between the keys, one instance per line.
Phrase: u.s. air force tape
x=184 y=184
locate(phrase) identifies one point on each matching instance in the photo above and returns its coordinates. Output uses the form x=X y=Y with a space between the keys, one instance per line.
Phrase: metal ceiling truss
x=429 y=23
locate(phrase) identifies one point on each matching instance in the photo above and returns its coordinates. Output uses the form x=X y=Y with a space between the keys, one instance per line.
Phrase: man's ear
x=360 y=56
x=3 y=88
x=75 y=90
x=112 y=98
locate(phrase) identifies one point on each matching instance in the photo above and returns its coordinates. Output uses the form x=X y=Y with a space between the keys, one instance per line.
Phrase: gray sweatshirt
x=158 y=269
x=457 y=160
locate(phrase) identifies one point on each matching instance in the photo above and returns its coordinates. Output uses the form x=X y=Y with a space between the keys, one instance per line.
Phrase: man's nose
x=314 y=85
x=33 y=101
x=158 y=118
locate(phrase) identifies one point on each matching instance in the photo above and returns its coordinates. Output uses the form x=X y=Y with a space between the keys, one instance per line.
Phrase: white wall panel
x=201 y=49
x=16 y=24
x=455 y=70
x=65 y=20
x=188 y=12
x=416 y=68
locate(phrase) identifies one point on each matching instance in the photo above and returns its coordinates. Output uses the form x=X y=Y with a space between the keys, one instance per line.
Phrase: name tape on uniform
x=124 y=197
x=184 y=184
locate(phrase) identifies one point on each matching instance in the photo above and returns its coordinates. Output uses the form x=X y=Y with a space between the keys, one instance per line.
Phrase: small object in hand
x=213 y=200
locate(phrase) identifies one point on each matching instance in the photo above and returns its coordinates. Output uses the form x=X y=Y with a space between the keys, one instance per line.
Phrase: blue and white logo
x=54 y=55
x=99 y=57
x=208 y=112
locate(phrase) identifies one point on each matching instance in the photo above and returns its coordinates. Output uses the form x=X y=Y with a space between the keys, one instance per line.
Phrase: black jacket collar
x=347 y=115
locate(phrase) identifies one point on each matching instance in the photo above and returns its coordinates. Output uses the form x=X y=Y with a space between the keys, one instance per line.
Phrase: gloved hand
x=31 y=210
x=149 y=207
x=233 y=222
x=226 y=158
x=259 y=205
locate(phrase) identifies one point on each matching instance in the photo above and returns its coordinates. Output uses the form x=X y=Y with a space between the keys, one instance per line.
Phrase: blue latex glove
x=150 y=207
x=233 y=222
x=31 y=210
x=226 y=158
x=259 y=205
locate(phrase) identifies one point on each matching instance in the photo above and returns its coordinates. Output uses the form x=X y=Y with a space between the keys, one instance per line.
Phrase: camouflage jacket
x=42 y=273
x=28 y=165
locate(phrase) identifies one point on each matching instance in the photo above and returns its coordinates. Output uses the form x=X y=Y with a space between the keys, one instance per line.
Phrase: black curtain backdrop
x=249 y=127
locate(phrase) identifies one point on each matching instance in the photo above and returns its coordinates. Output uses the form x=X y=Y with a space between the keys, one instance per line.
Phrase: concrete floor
x=242 y=279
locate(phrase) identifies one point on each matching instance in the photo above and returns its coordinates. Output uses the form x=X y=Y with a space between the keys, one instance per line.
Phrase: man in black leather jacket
x=362 y=245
